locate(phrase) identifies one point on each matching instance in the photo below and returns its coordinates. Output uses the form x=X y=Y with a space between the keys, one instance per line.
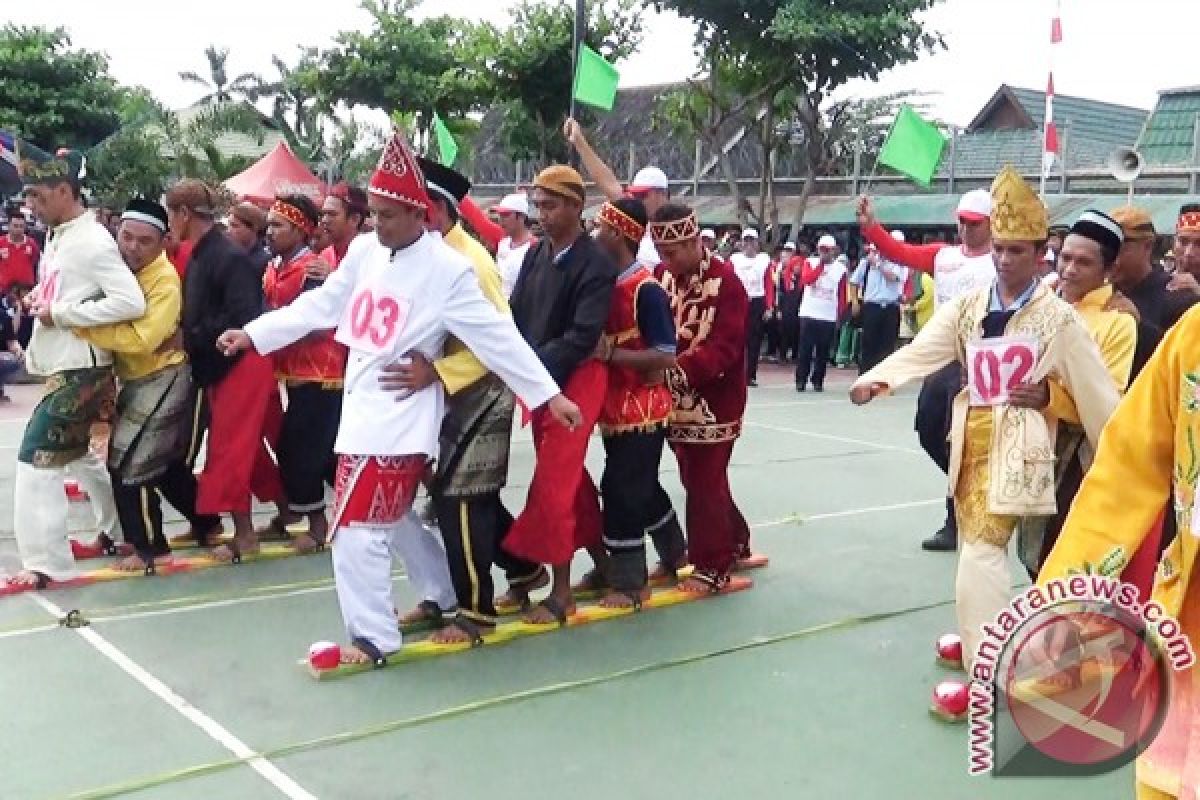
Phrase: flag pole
x=580 y=32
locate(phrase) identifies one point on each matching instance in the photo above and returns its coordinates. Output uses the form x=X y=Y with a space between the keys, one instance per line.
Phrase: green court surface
x=188 y=686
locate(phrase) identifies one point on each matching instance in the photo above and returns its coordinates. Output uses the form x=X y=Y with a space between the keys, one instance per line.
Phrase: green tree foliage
x=406 y=66
x=54 y=95
x=770 y=66
x=530 y=68
x=220 y=89
x=296 y=107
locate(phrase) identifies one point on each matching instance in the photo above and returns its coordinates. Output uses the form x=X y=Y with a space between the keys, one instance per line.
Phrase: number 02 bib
x=374 y=320
x=996 y=366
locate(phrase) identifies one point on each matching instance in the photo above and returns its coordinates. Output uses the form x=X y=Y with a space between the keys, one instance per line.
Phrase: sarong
x=59 y=428
x=154 y=424
x=475 y=440
x=375 y=491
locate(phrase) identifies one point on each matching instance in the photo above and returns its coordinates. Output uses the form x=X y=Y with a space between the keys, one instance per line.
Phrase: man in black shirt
x=239 y=398
x=560 y=304
x=1146 y=286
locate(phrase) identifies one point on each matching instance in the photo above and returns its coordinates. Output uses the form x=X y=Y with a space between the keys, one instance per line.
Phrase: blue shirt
x=881 y=288
x=1022 y=300
x=655 y=321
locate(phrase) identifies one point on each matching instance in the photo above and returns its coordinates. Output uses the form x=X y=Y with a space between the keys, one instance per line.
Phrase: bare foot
x=615 y=599
x=539 y=614
x=694 y=585
x=28 y=579
x=660 y=572
x=516 y=597
x=303 y=544
x=452 y=634
x=276 y=529
x=132 y=563
x=352 y=655
x=242 y=546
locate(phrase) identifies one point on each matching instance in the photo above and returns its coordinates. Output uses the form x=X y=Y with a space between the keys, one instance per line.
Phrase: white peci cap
x=708 y=233
x=827 y=241
x=898 y=236
x=750 y=233
x=649 y=178
x=789 y=245
x=517 y=203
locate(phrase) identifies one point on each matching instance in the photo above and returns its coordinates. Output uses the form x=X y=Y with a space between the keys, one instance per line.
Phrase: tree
x=54 y=95
x=405 y=66
x=530 y=67
x=296 y=107
x=790 y=56
x=220 y=88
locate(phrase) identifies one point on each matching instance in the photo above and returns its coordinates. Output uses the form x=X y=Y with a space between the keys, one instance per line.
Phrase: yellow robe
x=459 y=368
x=1149 y=452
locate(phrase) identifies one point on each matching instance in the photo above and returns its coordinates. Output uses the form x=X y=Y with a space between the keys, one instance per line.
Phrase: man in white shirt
x=84 y=283
x=751 y=268
x=824 y=280
x=401 y=291
x=513 y=213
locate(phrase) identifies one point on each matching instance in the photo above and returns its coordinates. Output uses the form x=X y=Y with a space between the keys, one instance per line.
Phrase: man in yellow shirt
x=1085 y=265
x=154 y=438
x=1148 y=453
x=472 y=465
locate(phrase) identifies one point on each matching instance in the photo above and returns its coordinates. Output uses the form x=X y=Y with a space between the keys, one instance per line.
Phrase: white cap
x=789 y=246
x=975 y=205
x=649 y=178
x=898 y=236
x=708 y=233
x=750 y=233
x=517 y=203
x=827 y=241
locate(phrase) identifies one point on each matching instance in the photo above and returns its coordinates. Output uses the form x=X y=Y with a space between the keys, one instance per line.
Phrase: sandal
x=470 y=628
x=378 y=659
x=432 y=618
x=714 y=582
x=556 y=609
x=523 y=588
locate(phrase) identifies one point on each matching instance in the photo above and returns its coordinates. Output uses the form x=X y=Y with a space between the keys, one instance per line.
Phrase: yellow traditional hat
x=1018 y=214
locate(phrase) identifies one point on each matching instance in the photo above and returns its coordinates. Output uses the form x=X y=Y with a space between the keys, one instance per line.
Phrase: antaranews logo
x=1072 y=679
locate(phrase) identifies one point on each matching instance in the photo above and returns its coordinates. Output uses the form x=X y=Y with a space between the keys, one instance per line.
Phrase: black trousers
x=306 y=459
x=880 y=330
x=140 y=511
x=774 y=335
x=816 y=336
x=754 y=335
x=789 y=310
x=934 y=405
x=472 y=528
x=630 y=488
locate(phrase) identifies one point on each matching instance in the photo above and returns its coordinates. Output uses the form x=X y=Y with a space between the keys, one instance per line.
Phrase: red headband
x=1188 y=221
x=675 y=231
x=294 y=216
x=624 y=224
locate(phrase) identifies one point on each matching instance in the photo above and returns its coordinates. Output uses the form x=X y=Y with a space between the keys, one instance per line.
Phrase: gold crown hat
x=1018 y=214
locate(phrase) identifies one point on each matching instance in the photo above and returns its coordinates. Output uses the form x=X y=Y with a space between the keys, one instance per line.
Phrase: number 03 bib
x=996 y=366
x=374 y=320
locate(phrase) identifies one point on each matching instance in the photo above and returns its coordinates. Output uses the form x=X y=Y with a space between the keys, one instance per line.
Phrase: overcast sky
x=989 y=42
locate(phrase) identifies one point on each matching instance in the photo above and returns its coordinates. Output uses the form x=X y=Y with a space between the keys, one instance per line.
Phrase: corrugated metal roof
x=1090 y=119
x=1168 y=138
x=986 y=152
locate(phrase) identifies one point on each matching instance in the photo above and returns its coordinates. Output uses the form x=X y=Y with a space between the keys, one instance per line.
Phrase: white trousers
x=362 y=573
x=40 y=519
x=92 y=475
x=421 y=550
x=982 y=589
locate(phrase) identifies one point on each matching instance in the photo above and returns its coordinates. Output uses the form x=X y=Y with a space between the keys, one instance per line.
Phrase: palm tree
x=220 y=88
x=295 y=108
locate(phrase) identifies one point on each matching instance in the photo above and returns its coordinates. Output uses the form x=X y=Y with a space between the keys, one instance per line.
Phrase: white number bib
x=374 y=320
x=996 y=366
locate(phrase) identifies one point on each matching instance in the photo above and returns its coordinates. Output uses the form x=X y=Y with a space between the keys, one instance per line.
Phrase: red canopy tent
x=278 y=172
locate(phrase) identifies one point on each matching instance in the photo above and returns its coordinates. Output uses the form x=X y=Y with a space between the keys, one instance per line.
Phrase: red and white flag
x=1050 y=130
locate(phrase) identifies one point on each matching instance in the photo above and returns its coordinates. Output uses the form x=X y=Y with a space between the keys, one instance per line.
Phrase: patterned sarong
x=59 y=428
x=375 y=491
x=155 y=419
x=475 y=439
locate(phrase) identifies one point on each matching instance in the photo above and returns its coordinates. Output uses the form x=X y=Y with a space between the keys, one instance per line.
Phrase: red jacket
x=316 y=358
x=708 y=382
x=18 y=262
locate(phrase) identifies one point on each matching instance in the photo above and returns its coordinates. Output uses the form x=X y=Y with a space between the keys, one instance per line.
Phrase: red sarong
x=716 y=529
x=562 y=509
x=244 y=419
x=375 y=490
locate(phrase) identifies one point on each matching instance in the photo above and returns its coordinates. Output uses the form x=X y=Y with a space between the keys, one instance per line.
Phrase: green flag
x=595 y=79
x=447 y=147
x=913 y=147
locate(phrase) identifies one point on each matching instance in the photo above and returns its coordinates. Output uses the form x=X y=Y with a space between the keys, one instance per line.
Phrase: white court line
x=275 y=776
x=832 y=438
x=874 y=509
